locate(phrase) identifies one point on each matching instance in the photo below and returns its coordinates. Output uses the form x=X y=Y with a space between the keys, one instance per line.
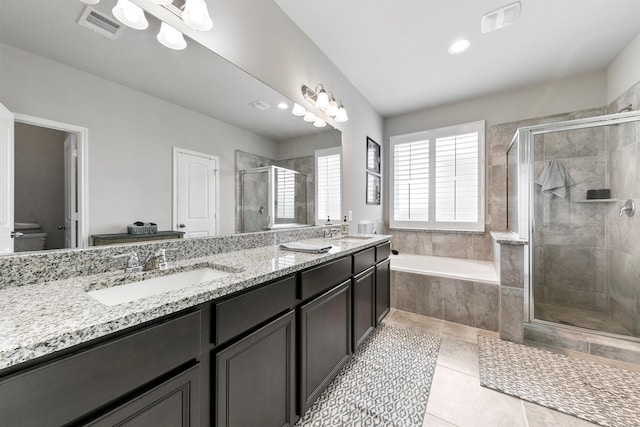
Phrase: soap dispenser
x=344 y=229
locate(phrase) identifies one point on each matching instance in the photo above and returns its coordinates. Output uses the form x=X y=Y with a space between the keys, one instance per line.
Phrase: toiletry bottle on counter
x=344 y=229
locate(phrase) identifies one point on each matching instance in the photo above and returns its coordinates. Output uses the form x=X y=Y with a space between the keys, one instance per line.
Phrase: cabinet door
x=174 y=403
x=325 y=341
x=364 y=316
x=255 y=378
x=383 y=290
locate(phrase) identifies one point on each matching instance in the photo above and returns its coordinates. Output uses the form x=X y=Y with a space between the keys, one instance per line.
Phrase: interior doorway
x=49 y=185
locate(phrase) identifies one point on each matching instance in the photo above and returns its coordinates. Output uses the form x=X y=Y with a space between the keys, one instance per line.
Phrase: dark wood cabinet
x=255 y=378
x=76 y=385
x=325 y=341
x=364 y=316
x=173 y=403
x=383 y=290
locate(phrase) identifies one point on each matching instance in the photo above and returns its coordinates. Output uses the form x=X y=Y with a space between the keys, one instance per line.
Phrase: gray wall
x=39 y=180
x=131 y=136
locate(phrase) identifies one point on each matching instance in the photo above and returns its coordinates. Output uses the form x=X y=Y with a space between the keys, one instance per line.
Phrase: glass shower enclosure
x=273 y=197
x=571 y=191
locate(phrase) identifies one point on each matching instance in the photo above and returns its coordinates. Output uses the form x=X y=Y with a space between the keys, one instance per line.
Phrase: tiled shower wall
x=623 y=233
x=570 y=258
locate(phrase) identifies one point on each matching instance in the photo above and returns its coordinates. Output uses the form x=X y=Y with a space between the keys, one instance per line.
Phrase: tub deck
x=451 y=268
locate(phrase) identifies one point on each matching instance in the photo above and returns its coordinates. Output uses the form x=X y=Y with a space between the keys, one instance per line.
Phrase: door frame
x=82 y=173
x=174 y=216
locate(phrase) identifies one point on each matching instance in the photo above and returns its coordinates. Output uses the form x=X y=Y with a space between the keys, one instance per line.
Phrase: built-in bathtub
x=454 y=289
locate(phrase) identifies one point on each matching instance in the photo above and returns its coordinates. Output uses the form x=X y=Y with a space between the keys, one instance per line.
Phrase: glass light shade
x=130 y=15
x=332 y=108
x=170 y=37
x=322 y=99
x=162 y=2
x=283 y=105
x=196 y=15
x=342 y=115
x=298 y=110
x=319 y=123
x=309 y=117
x=90 y=1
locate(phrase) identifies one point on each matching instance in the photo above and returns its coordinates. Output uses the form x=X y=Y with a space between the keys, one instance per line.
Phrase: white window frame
x=431 y=135
x=323 y=153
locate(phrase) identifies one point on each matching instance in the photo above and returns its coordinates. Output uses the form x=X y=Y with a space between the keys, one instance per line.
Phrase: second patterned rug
x=386 y=383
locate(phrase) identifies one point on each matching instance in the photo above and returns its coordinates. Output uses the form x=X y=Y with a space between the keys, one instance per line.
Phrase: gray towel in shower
x=554 y=179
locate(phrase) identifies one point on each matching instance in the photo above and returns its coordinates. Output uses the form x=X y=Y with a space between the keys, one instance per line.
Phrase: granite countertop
x=40 y=319
x=508 y=238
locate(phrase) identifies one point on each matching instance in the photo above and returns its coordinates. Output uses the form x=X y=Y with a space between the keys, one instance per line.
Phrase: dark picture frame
x=373 y=156
x=373 y=189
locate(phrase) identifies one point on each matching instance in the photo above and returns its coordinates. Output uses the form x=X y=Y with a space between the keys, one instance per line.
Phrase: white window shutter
x=411 y=181
x=328 y=185
x=285 y=194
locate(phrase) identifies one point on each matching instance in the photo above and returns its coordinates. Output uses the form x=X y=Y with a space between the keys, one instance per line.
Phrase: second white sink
x=145 y=288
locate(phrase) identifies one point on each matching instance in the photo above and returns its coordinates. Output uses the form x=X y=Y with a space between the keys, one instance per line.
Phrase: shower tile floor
x=456 y=397
x=579 y=317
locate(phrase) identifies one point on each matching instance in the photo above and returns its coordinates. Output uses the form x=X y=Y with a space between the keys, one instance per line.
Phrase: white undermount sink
x=145 y=288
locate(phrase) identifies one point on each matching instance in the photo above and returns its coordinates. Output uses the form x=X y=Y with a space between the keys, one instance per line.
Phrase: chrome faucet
x=331 y=231
x=157 y=260
x=133 y=263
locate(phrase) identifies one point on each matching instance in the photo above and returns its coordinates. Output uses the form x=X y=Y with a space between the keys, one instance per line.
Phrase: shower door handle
x=16 y=234
x=181 y=226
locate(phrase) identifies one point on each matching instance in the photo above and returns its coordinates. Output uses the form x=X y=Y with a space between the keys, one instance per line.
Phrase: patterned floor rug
x=594 y=392
x=386 y=383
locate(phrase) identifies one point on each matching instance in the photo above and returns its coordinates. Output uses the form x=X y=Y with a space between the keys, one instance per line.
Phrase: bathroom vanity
x=255 y=347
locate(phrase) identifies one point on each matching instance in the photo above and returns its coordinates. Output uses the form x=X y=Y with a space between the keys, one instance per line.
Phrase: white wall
x=624 y=71
x=260 y=38
x=308 y=144
x=131 y=136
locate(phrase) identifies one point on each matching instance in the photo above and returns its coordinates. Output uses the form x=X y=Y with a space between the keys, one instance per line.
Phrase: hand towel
x=554 y=179
x=305 y=247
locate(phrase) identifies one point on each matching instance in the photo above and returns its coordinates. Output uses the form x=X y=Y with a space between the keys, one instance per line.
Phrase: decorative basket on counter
x=142 y=229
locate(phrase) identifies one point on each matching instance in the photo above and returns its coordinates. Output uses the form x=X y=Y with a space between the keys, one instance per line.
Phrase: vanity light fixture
x=298 y=110
x=170 y=37
x=319 y=123
x=309 y=117
x=325 y=102
x=196 y=15
x=162 y=2
x=130 y=15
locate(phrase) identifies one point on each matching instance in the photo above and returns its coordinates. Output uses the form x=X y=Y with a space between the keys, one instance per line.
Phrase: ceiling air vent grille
x=99 y=23
x=500 y=18
x=260 y=105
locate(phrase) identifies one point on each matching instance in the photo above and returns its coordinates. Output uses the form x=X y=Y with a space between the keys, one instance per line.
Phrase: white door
x=70 y=184
x=195 y=192
x=6 y=180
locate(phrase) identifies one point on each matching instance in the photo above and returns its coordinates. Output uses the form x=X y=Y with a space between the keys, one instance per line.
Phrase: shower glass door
x=585 y=255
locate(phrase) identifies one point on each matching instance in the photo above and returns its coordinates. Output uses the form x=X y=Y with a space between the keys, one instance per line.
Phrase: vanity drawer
x=383 y=251
x=324 y=277
x=59 y=392
x=363 y=260
x=239 y=314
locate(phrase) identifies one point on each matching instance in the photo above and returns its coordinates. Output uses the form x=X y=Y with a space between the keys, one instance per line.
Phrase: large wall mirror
x=124 y=108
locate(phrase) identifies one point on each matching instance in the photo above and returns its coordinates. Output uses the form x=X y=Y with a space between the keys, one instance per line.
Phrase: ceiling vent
x=99 y=23
x=500 y=18
x=260 y=105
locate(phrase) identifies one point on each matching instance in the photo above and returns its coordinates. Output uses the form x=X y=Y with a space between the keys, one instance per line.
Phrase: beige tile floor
x=456 y=397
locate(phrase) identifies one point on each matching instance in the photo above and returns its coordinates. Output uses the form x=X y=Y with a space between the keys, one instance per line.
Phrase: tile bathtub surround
x=40 y=267
x=588 y=390
x=386 y=382
x=38 y=319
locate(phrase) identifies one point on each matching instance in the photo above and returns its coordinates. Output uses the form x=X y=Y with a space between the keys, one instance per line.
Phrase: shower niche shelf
x=597 y=201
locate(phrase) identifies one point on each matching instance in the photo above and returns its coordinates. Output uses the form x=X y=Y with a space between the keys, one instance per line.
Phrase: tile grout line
x=524 y=413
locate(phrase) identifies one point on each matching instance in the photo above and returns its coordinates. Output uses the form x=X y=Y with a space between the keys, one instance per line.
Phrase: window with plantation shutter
x=437 y=179
x=285 y=194
x=328 y=185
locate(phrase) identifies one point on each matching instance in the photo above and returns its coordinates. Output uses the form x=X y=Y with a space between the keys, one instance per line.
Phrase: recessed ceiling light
x=283 y=106
x=459 y=46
